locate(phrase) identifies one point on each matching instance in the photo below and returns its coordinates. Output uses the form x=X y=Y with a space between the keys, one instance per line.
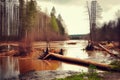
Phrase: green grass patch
x=82 y=76
x=91 y=75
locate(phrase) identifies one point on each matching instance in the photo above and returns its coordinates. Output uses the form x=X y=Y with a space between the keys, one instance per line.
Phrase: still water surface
x=72 y=48
x=75 y=49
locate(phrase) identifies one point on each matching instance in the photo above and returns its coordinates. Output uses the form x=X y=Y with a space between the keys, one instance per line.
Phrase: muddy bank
x=46 y=75
x=110 y=76
x=53 y=74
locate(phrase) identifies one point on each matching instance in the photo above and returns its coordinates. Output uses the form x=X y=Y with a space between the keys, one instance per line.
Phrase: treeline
x=51 y=27
x=38 y=26
x=109 y=31
x=9 y=19
x=32 y=24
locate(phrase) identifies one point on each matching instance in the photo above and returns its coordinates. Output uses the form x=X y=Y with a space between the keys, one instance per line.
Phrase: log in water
x=109 y=52
x=77 y=61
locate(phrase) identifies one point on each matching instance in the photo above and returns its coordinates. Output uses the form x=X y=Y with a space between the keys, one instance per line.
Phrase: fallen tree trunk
x=85 y=63
x=109 y=52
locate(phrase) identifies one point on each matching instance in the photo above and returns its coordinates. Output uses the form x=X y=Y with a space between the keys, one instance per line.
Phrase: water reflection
x=75 y=51
x=9 y=67
x=27 y=65
x=7 y=47
x=72 y=67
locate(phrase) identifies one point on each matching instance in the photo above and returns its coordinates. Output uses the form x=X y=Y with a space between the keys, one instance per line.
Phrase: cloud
x=75 y=15
x=58 y=1
x=108 y=4
x=64 y=2
x=102 y=2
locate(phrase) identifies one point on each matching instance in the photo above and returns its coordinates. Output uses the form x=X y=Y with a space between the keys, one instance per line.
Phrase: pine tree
x=28 y=17
x=54 y=21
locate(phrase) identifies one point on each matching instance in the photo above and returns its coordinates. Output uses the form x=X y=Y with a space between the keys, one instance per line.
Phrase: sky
x=75 y=15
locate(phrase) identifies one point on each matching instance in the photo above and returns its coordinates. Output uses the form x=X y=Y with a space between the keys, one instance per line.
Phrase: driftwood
x=109 y=52
x=78 y=61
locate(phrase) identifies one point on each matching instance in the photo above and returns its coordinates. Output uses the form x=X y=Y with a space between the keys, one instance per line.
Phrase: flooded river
x=75 y=49
x=72 y=48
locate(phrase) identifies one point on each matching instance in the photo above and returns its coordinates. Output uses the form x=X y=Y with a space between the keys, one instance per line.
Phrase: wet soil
x=110 y=76
x=46 y=75
x=53 y=74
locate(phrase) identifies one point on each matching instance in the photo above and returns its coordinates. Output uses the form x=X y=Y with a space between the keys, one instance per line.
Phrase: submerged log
x=109 y=52
x=78 y=61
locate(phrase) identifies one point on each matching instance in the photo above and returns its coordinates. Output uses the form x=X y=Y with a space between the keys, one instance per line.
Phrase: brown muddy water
x=12 y=67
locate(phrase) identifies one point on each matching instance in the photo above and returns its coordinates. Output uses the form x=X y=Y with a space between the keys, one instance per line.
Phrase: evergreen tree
x=54 y=21
x=60 y=25
x=53 y=11
x=22 y=16
x=118 y=25
x=28 y=17
x=31 y=10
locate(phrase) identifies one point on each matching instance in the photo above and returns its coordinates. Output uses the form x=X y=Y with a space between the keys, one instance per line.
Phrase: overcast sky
x=74 y=12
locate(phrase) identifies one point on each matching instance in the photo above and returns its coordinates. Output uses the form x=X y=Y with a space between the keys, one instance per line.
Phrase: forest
x=109 y=31
x=23 y=19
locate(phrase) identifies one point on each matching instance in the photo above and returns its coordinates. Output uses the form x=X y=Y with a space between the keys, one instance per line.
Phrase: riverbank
x=46 y=75
x=57 y=74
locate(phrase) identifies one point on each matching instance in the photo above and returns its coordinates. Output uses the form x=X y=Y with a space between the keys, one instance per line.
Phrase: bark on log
x=78 y=61
x=109 y=52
